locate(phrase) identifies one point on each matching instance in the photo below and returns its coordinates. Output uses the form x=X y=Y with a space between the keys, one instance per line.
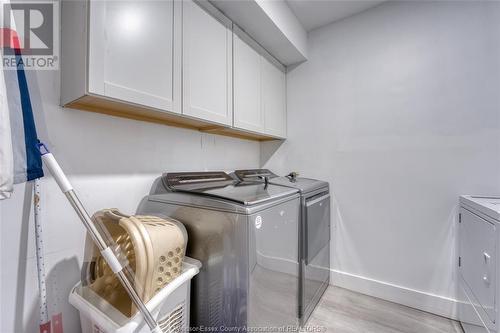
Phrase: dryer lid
x=303 y=185
x=221 y=185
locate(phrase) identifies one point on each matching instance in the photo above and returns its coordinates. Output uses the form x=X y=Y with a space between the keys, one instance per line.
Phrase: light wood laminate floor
x=344 y=311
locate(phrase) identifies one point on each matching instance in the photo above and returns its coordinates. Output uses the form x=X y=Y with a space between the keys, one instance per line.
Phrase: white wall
x=399 y=109
x=112 y=163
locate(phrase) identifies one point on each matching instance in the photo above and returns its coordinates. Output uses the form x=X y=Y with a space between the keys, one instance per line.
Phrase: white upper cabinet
x=259 y=89
x=207 y=65
x=132 y=52
x=181 y=63
x=248 y=113
x=273 y=99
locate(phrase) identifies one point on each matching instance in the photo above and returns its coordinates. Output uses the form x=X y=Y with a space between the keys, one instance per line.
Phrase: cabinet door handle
x=487 y=257
x=486 y=280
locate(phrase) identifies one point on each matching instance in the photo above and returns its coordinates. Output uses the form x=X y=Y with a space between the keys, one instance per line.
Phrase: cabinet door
x=207 y=67
x=274 y=99
x=248 y=113
x=132 y=52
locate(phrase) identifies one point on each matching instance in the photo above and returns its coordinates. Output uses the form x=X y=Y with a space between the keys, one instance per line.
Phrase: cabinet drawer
x=478 y=259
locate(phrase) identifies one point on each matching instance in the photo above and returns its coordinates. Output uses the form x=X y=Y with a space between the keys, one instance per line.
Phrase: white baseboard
x=436 y=304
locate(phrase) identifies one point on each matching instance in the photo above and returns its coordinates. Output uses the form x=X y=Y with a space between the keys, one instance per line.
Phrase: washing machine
x=314 y=239
x=246 y=237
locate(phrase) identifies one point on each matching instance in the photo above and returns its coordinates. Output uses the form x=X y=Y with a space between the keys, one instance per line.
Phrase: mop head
x=151 y=249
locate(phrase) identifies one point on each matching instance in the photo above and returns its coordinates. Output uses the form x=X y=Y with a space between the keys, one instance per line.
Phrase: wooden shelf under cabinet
x=116 y=108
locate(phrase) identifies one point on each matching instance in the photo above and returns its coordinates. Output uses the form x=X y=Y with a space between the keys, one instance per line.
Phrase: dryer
x=314 y=238
x=246 y=237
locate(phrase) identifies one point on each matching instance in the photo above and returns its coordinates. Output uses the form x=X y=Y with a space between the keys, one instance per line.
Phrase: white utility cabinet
x=259 y=88
x=478 y=261
x=170 y=62
x=247 y=87
x=125 y=65
x=121 y=50
x=207 y=65
x=273 y=98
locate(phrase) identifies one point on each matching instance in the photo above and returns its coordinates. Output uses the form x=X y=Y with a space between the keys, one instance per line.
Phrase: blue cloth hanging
x=25 y=162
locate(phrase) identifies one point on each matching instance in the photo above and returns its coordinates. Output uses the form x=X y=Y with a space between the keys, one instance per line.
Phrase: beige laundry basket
x=151 y=248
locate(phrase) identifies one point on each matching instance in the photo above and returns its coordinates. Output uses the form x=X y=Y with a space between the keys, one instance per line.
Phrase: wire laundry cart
x=169 y=307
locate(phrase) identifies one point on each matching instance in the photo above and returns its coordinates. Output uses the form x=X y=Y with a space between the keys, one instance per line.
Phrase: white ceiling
x=317 y=13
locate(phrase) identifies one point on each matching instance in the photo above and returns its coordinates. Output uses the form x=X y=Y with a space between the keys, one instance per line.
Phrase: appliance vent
x=173 y=322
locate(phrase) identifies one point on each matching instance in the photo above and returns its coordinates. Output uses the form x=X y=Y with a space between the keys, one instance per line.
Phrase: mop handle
x=108 y=254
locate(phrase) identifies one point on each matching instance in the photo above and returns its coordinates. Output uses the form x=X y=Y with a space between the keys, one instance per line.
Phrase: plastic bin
x=170 y=307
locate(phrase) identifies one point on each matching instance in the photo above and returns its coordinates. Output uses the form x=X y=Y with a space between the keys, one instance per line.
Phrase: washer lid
x=248 y=193
x=254 y=174
x=220 y=185
x=184 y=181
